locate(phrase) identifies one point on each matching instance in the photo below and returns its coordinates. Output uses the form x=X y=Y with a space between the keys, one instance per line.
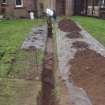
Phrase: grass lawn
x=19 y=92
x=15 y=64
x=12 y=34
x=95 y=27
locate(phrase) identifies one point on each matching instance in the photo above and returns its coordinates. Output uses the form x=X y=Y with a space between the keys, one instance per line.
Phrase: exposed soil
x=48 y=82
x=64 y=95
x=68 y=25
x=74 y=35
x=47 y=95
x=88 y=72
x=80 y=44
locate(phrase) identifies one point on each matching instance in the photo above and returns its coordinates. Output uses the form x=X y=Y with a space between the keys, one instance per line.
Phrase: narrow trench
x=47 y=94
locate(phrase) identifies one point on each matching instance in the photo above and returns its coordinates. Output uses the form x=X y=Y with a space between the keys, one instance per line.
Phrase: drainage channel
x=46 y=95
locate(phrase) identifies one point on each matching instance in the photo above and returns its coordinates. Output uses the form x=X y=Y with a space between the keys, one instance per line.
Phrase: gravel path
x=36 y=38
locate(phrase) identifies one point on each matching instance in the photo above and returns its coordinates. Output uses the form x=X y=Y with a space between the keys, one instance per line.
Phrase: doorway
x=60 y=7
x=80 y=7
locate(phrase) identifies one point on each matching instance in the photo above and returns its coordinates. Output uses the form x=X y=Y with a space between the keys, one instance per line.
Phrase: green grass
x=12 y=34
x=96 y=27
x=16 y=63
x=19 y=92
x=26 y=63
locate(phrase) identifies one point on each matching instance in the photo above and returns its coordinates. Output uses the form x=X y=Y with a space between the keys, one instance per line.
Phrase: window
x=19 y=3
x=3 y=1
x=41 y=6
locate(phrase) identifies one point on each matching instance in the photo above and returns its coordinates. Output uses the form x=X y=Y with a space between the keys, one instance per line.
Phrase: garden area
x=18 y=65
x=57 y=66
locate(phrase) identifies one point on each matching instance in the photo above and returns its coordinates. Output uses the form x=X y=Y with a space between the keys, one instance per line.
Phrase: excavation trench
x=46 y=95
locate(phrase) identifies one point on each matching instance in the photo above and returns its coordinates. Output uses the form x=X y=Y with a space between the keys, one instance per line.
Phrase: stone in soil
x=74 y=35
x=79 y=44
x=88 y=72
x=68 y=25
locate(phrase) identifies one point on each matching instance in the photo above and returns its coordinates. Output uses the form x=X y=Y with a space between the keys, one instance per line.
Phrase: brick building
x=17 y=8
x=21 y=8
x=90 y=7
x=62 y=7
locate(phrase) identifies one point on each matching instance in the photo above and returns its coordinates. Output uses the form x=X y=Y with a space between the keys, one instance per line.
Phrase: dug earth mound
x=86 y=58
x=68 y=25
x=74 y=35
x=80 y=44
x=88 y=72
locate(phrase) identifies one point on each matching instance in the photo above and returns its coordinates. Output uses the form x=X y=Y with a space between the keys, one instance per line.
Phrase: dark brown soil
x=48 y=82
x=80 y=44
x=74 y=35
x=39 y=32
x=68 y=25
x=88 y=72
x=32 y=48
x=47 y=95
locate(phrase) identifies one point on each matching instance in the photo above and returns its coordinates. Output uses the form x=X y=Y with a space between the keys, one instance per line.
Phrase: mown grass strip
x=96 y=27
